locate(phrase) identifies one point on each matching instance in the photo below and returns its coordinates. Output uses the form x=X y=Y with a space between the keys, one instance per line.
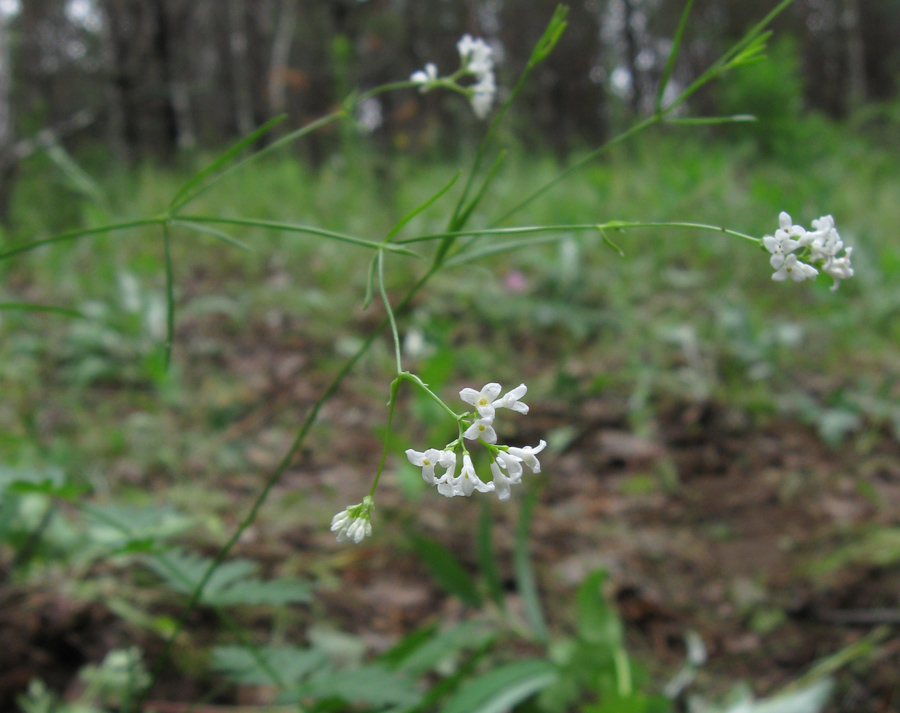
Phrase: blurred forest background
x=726 y=448
x=152 y=78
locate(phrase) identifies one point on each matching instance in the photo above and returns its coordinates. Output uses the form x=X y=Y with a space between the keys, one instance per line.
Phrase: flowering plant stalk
x=450 y=467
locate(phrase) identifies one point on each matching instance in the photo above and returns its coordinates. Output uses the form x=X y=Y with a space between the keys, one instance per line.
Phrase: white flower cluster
x=476 y=60
x=819 y=245
x=506 y=461
x=354 y=524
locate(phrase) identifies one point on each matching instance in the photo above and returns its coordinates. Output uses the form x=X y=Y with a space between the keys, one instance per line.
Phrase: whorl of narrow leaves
x=233 y=583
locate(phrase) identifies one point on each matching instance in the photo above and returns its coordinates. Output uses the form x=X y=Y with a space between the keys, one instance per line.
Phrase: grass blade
x=80 y=233
x=524 y=573
x=183 y=194
x=486 y=558
x=30 y=307
x=670 y=62
x=214 y=232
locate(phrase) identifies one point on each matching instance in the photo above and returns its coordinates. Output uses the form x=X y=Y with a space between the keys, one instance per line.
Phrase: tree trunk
x=281 y=51
x=7 y=163
x=243 y=99
x=856 y=60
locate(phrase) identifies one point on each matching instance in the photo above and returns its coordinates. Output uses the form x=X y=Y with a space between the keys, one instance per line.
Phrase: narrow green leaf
x=525 y=575
x=492 y=174
x=502 y=689
x=277 y=144
x=296 y=228
x=80 y=233
x=552 y=33
x=205 y=229
x=498 y=248
x=30 y=307
x=486 y=558
x=705 y=120
x=673 y=54
x=370 y=281
x=413 y=213
x=78 y=177
x=611 y=244
x=447 y=570
x=66 y=491
x=170 y=297
x=221 y=161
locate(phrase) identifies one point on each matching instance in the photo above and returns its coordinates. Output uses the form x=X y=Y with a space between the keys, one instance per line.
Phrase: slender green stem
x=390 y=312
x=579 y=227
x=407 y=376
x=170 y=295
x=73 y=234
x=295 y=228
x=578 y=165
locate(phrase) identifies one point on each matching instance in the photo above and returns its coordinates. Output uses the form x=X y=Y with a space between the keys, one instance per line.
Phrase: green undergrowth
x=679 y=315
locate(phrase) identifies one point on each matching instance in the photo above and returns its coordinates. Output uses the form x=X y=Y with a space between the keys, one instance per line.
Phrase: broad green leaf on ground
x=444 y=645
x=372 y=685
x=234 y=582
x=502 y=689
x=241 y=666
x=118 y=526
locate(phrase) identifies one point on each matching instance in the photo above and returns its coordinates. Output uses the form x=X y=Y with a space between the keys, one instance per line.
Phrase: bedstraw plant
x=595 y=658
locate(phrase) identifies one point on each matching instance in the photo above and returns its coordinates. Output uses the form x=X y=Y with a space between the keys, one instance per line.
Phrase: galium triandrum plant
x=820 y=245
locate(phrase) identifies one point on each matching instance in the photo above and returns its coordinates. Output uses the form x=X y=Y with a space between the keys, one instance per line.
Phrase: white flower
x=838 y=268
x=527 y=455
x=512 y=463
x=482 y=400
x=482 y=429
x=788 y=230
x=483 y=95
x=501 y=482
x=469 y=480
x=475 y=55
x=796 y=270
x=353 y=524
x=426 y=77
x=780 y=247
x=429 y=459
x=826 y=244
x=511 y=401
x=465 y=483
